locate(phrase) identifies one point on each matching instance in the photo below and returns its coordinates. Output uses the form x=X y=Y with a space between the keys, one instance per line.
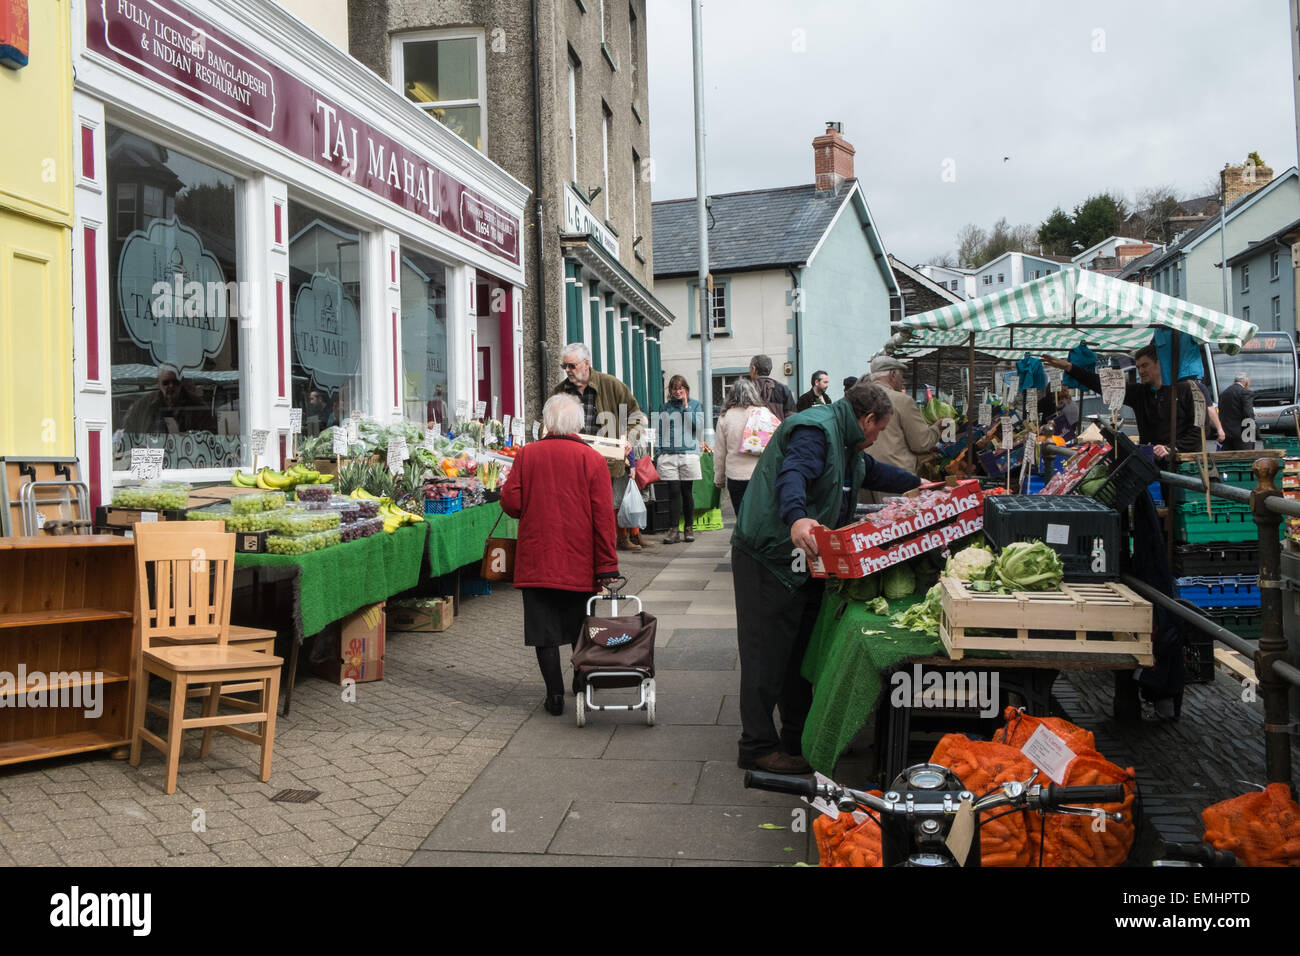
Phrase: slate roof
x=760 y=228
x=1139 y=264
x=1253 y=248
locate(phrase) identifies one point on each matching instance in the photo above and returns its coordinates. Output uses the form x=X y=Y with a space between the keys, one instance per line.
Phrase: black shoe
x=776 y=762
x=554 y=704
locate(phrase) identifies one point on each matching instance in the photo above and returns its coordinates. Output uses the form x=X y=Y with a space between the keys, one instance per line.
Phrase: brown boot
x=627 y=544
x=641 y=542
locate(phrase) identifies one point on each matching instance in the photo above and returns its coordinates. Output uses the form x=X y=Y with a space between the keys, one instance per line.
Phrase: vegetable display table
x=457 y=539
x=329 y=584
x=849 y=671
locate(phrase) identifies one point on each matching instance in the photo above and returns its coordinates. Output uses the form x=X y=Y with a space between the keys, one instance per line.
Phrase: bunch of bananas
x=270 y=480
x=394 y=517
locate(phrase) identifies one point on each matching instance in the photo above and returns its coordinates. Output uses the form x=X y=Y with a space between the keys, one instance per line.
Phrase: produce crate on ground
x=1232 y=590
x=1103 y=617
x=429 y=615
x=1072 y=525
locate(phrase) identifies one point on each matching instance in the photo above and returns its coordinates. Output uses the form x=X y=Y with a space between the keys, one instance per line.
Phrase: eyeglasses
x=568 y=366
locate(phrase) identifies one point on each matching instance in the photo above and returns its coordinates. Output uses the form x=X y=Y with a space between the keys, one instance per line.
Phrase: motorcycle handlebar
x=781 y=783
x=1201 y=853
x=1109 y=793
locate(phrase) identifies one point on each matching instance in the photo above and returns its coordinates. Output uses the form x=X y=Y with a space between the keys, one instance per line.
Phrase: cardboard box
x=612 y=448
x=362 y=672
x=871 y=534
x=875 y=560
x=361 y=635
x=404 y=618
x=251 y=542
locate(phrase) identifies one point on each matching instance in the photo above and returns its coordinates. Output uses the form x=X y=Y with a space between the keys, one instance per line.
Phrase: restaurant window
x=424 y=339
x=444 y=74
x=174 y=306
x=326 y=301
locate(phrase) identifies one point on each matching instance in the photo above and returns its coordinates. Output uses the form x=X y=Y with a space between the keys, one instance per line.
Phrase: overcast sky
x=1083 y=98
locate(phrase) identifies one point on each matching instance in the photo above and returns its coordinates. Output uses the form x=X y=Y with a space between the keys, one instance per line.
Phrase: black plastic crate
x=1217 y=557
x=1245 y=622
x=1127 y=481
x=1198 y=659
x=1069 y=523
x=658 y=515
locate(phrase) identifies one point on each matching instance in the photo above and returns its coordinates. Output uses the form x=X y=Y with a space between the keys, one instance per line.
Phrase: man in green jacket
x=809 y=475
x=611 y=411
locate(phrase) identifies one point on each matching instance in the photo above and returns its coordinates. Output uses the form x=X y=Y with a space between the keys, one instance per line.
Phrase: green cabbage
x=863 y=589
x=1029 y=566
x=900 y=581
x=935 y=410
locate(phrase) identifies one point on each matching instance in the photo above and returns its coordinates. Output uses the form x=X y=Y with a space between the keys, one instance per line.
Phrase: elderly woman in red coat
x=559 y=490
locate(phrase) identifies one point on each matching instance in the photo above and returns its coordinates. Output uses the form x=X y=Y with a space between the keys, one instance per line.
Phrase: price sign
x=1055 y=377
x=340 y=442
x=505 y=425
x=1027 y=461
x=431 y=436
x=536 y=428
x=146 y=464
x=480 y=409
x=517 y=431
x=1198 y=407
x=259 y=441
x=295 y=421
x=985 y=414
x=496 y=405
x=1031 y=404
x=353 y=432
x=1112 y=387
x=1008 y=434
x=397 y=453
x=462 y=409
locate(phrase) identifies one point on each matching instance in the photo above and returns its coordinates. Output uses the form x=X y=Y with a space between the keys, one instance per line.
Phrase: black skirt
x=553 y=617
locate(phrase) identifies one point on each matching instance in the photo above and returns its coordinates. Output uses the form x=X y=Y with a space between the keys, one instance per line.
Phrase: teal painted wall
x=846 y=306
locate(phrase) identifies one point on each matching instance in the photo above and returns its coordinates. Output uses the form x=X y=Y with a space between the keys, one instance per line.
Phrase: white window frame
x=1275 y=309
x=398 y=68
x=636 y=172
x=573 y=123
x=1274 y=265
x=604 y=152
x=1245 y=277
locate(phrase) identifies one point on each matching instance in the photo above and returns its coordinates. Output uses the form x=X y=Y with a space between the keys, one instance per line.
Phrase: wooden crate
x=1028 y=618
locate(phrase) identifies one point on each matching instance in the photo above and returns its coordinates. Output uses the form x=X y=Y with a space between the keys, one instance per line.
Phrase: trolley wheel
x=650 y=706
x=580 y=708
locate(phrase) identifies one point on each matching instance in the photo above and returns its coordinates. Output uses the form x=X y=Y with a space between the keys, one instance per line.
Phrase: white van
x=1270 y=361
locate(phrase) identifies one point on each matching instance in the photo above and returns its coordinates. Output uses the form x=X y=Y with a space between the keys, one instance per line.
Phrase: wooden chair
x=250 y=638
x=183 y=596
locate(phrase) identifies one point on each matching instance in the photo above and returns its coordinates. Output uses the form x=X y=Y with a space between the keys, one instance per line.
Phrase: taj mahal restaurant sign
x=172 y=47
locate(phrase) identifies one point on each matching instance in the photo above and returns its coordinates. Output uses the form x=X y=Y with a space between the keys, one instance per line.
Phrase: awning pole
x=971 y=411
x=705 y=308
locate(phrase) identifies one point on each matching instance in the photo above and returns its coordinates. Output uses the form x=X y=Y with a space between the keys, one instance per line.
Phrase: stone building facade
x=583 y=148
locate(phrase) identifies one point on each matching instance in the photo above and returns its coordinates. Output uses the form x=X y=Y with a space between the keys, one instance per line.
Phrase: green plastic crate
x=1245 y=622
x=1290 y=445
x=1220 y=526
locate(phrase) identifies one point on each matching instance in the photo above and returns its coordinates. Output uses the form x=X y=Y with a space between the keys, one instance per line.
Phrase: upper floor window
x=1001 y=277
x=1245 y=277
x=988 y=280
x=718 y=307
x=443 y=72
x=1274 y=265
x=574 y=67
x=632 y=55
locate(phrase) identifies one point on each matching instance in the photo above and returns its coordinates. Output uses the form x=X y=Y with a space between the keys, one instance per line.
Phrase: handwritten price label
x=259 y=436
x=480 y=409
x=517 y=431
x=1008 y=434
x=1031 y=404
x=146 y=464
x=462 y=409
x=1055 y=377
x=1112 y=387
x=397 y=453
x=985 y=414
x=295 y=421
x=340 y=442
x=431 y=436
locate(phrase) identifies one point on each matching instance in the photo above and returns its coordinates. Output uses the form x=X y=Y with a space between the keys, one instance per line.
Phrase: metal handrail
x=1200 y=621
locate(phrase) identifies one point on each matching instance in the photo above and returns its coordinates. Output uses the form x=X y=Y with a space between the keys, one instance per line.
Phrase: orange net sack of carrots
x=1091 y=840
x=847 y=840
x=1021 y=726
x=983 y=765
x=1262 y=829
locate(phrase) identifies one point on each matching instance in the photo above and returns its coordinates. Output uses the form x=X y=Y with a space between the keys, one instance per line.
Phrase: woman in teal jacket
x=680 y=422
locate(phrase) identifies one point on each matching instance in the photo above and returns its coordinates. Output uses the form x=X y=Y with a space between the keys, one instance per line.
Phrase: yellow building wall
x=36 y=216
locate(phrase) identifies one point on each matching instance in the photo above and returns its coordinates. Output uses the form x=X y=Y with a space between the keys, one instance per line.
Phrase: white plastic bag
x=631 y=513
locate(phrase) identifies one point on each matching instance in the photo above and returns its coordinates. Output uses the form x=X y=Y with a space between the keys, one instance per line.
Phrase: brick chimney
x=1238 y=181
x=832 y=158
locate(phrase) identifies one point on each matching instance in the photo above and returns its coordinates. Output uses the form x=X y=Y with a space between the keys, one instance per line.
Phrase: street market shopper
x=610 y=410
x=1236 y=405
x=908 y=439
x=776 y=395
x=559 y=490
x=1149 y=398
x=730 y=466
x=799 y=483
x=680 y=424
x=817 y=395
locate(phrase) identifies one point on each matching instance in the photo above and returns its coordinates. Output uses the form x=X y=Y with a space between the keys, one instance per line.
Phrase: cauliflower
x=970 y=564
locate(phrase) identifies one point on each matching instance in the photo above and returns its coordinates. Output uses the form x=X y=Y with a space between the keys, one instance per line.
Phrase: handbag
x=645 y=473
x=758 y=431
x=498 y=556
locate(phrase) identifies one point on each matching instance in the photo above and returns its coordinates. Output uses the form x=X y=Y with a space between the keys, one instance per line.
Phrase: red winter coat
x=559 y=489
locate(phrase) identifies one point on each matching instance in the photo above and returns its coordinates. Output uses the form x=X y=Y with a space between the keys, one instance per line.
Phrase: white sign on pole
x=1055 y=377
x=259 y=436
x=431 y=436
x=496 y=406
x=517 y=431
x=1198 y=407
x=295 y=421
x=1112 y=387
x=462 y=409
x=353 y=432
x=146 y=464
x=480 y=409
x=985 y=414
x=505 y=425
x=537 y=426
x=397 y=453
x=1008 y=434
x=340 y=442
x=1031 y=405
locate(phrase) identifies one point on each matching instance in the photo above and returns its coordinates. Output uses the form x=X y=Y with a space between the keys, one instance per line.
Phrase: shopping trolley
x=615 y=650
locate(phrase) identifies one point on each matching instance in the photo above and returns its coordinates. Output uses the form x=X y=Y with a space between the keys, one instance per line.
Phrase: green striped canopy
x=1057 y=312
